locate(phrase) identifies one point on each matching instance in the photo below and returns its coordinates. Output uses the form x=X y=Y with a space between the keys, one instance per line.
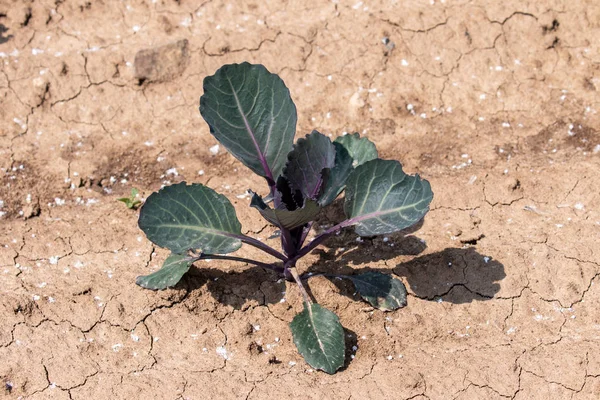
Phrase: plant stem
x=260 y=245
x=286 y=242
x=320 y=239
x=294 y=273
x=305 y=233
x=241 y=259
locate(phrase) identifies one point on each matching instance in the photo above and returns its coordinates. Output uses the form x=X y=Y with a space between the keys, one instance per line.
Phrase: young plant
x=250 y=112
x=131 y=202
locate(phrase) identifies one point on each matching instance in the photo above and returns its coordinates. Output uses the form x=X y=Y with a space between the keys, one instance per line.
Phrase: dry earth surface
x=496 y=103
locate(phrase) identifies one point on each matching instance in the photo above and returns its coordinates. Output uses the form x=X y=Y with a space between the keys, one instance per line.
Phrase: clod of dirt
x=31 y=210
x=162 y=63
x=502 y=190
x=248 y=329
x=472 y=238
x=274 y=360
x=255 y=349
x=4 y=39
x=455 y=231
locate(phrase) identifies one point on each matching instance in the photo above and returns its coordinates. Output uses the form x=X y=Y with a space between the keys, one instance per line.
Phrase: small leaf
x=306 y=162
x=130 y=201
x=380 y=290
x=381 y=198
x=173 y=269
x=360 y=149
x=335 y=178
x=286 y=218
x=250 y=111
x=319 y=337
x=181 y=217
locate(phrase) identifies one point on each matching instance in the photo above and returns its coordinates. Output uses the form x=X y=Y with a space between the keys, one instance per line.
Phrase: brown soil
x=496 y=103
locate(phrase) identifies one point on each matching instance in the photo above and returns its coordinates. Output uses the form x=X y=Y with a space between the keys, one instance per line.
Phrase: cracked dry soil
x=496 y=103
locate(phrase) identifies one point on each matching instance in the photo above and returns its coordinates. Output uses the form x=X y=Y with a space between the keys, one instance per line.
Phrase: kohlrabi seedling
x=250 y=112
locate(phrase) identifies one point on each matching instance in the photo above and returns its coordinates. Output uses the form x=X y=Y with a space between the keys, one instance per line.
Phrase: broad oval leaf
x=306 y=162
x=319 y=337
x=380 y=290
x=284 y=218
x=381 y=198
x=181 y=217
x=334 y=179
x=173 y=269
x=250 y=111
x=360 y=149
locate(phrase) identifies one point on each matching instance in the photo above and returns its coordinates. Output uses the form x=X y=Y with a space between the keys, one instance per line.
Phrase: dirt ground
x=496 y=103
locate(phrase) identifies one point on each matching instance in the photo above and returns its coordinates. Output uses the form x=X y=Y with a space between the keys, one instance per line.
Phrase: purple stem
x=241 y=259
x=305 y=232
x=259 y=245
x=286 y=242
x=321 y=238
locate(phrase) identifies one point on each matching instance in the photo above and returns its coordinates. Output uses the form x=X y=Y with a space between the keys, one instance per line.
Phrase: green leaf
x=360 y=149
x=380 y=290
x=351 y=151
x=304 y=169
x=181 y=217
x=250 y=111
x=335 y=178
x=285 y=218
x=130 y=201
x=319 y=337
x=174 y=267
x=381 y=198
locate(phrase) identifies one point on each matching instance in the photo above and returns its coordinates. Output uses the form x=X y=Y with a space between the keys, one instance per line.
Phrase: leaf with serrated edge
x=181 y=217
x=173 y=269
x=285 y=197
x=286 y=218
x=311 y=155
x=334 y=179
x=380 y=290
x=381 y=198
x=250 y=111
x=360 y=149
x=319 y=337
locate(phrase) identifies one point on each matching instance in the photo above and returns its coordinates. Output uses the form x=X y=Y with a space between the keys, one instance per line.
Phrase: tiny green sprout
x=251 y=113
x=131 y=202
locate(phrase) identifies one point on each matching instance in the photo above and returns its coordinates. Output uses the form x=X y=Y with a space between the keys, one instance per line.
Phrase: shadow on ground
x=430 y=277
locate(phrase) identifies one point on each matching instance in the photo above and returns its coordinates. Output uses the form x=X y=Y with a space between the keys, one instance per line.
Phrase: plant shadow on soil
x=434 y=276
x=430 y=277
